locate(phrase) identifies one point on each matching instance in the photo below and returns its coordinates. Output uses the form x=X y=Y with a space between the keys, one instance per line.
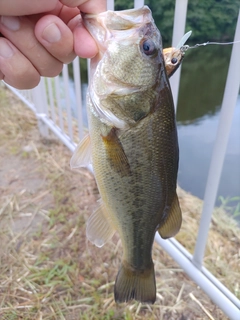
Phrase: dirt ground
x=48 y=270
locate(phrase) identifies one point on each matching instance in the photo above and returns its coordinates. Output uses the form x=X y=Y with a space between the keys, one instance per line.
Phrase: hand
x=39 y=36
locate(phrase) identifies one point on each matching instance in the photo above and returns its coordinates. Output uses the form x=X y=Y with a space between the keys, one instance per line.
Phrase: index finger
x=93 y=6
x=23 y=7
x=87 y=6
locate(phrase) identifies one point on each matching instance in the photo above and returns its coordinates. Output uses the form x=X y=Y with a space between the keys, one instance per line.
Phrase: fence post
x=178 y=32
x=138 y=3
x=40 y=104
x=78 y=92
x=220 y=146
x=110 y=4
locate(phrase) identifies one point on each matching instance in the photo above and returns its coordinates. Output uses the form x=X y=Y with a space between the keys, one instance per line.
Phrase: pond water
x=201 y=91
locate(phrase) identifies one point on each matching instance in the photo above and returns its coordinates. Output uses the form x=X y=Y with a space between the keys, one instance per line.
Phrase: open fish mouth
x=127 y=26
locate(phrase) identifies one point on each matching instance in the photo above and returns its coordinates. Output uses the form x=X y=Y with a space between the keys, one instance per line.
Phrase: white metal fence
x=45 y=101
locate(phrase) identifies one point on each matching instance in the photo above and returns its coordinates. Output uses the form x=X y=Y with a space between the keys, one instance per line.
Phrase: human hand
x=39 y=36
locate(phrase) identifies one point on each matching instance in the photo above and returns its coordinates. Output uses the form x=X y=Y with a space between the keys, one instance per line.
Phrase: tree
x=210 y=20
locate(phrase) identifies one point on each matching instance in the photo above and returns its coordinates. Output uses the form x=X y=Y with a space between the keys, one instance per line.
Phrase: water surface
x=203 y=80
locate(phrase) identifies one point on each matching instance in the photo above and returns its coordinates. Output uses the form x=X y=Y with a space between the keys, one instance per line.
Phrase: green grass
x=231 y=205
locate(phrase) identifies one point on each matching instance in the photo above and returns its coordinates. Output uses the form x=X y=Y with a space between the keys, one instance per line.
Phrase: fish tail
x=135 y=284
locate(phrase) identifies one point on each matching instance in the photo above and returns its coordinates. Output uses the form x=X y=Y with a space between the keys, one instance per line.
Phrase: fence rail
x=45 y=101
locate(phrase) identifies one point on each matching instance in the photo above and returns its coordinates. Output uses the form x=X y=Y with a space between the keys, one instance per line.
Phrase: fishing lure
x=173 y=56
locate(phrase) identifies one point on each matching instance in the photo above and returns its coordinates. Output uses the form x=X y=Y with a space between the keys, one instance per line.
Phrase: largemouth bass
x=132 y=144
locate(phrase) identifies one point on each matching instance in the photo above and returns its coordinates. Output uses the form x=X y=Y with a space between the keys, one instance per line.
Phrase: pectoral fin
x=100 y=227
x=82 y=154
x=115 y=152
x=173 y=222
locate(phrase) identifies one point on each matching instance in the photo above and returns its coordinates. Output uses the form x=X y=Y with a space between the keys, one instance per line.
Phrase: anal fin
x=82 y=154
x=173 y=222
x=100 y=228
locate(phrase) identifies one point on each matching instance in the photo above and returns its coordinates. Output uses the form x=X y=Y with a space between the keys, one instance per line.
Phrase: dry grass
x=48 y=270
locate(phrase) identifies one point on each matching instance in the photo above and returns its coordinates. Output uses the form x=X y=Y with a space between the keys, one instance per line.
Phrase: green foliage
x=123 y=4
x=210 y=20
x=83 y=70
x=231 y=205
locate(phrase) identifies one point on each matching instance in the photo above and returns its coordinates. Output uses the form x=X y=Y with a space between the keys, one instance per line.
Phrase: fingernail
x=12 y=23
x=5 y=50
x=51 y=33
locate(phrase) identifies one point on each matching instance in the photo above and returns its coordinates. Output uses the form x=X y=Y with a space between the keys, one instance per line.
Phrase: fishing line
x=209 y=42
x=185 y=47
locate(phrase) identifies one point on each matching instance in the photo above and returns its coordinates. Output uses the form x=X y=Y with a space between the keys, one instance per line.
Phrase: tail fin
x=135 y=284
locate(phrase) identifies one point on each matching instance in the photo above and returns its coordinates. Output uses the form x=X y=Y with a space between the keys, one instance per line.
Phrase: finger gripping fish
x=132 y=144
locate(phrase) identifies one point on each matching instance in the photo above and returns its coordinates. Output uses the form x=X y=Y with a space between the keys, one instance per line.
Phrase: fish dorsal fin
x=100 y=226
x=82 y=154
x=172 y=224
x=115 y=153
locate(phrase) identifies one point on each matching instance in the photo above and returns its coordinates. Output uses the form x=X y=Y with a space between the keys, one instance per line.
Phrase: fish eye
x=148 y=47
x=174 y=60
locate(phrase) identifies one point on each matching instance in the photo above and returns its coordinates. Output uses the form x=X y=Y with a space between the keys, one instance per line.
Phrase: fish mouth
x=122 y=19
x=123 y=25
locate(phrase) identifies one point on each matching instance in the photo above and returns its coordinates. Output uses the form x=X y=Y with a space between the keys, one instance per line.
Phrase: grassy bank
x=48 y=270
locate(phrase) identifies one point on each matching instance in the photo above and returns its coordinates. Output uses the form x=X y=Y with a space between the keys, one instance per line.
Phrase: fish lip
x=107 y=25
x=127 y=12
